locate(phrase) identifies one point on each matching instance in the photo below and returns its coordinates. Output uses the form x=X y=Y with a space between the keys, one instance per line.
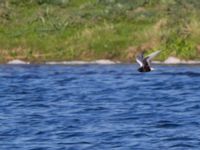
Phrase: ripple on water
x=99 y=107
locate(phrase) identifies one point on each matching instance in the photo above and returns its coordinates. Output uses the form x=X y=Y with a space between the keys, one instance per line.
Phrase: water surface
x=95 y=107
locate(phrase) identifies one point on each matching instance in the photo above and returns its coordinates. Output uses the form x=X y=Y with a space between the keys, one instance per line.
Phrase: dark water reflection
x=95 y=107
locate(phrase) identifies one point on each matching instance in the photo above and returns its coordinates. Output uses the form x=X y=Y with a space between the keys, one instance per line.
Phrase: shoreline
x=168 y=61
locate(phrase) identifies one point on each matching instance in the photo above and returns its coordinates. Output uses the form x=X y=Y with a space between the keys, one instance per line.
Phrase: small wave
x=188 y=73
x=140 y=135
x=166 y=124
x=182 y=145
x=179 y=139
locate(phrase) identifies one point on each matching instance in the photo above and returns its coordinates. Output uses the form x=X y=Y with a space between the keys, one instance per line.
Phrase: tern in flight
x=145 y=62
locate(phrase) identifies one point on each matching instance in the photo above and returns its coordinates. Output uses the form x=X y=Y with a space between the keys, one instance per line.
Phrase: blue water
x=99 y=107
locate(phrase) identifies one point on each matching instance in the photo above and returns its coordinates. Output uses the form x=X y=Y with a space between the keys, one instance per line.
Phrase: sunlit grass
x=43 y=30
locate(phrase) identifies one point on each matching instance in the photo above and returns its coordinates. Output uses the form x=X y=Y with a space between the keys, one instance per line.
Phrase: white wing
x=139 y=62
x=139 y=59
x=151 y=56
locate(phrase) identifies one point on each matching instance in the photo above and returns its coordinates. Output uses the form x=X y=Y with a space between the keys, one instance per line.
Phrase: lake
x=96 y=107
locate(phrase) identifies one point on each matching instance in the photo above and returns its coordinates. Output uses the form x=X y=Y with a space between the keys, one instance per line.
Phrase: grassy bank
x=43 y=30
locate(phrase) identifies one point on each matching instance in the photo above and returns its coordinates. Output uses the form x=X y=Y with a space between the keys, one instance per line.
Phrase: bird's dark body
x=144 y=62
x=145 y=67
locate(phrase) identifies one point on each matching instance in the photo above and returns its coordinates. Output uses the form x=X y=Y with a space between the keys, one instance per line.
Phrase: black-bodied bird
x=145 y=62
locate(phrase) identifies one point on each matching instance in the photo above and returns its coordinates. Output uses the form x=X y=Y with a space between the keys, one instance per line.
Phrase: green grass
x=44 y=30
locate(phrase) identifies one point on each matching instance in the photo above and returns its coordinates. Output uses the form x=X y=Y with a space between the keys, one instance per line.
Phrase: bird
x=144 y=62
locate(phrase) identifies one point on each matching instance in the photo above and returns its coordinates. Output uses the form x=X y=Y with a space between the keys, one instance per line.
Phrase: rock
x=67 y=63
x=17 y=62
x=192 y=62
x=104 y=62
x=157 y=62
x=172 y=60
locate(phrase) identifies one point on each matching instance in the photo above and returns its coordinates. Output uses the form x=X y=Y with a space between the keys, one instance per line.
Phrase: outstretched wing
x=151 y=56
x=139 y=59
